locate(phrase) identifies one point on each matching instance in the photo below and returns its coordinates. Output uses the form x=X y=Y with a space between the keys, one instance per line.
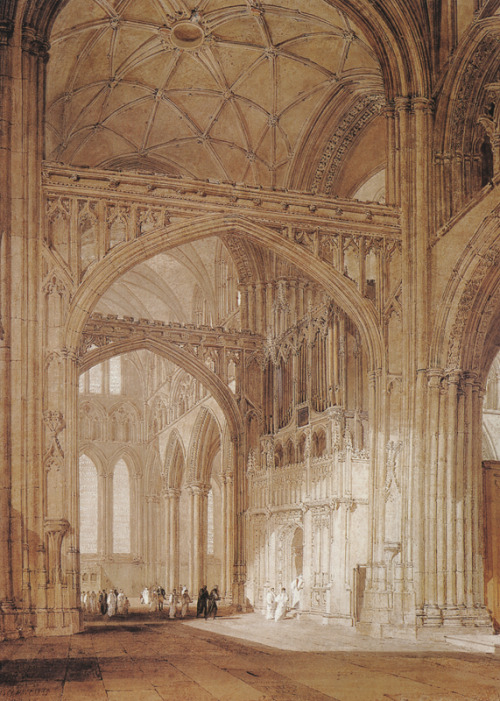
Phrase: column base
x=9 y=621
x=54 y=622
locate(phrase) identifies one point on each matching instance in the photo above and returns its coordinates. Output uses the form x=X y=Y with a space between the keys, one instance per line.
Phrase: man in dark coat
x=103 y=602
x=212 y=602
x=201 y=606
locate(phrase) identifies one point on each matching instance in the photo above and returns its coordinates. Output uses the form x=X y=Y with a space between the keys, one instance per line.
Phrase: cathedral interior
x=250 y=306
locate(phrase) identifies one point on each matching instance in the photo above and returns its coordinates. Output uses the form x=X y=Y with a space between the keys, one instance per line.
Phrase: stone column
x=173 y=538
x=199 y=493
x=7 y=622
x=431 y=610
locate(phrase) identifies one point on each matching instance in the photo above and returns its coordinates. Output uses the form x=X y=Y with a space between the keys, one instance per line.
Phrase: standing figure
x=103 y=602
x=172 y=604
x=201 y=606
x=270 y=604
x=111 y=603
x=145 y=596
x=120 y=601
x=281 y=604
x=212 y=602
x=93 y=600
x=297 y=586
x=185 y=601
x=161 y=598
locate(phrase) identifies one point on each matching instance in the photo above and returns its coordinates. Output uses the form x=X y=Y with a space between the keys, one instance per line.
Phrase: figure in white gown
x=270 y=604
x=281 y=604
x=172 y=604
x=145 y=596
x=296 y=587
x=111 y=603
x=120 y=602
x=185 y=600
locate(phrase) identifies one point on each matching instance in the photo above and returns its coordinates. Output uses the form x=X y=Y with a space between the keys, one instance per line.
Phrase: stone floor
x=148 y=658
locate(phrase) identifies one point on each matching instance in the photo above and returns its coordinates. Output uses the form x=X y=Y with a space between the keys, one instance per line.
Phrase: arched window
x=88 y=506
x=95 y=379
x=121 y=508
x=115 y=375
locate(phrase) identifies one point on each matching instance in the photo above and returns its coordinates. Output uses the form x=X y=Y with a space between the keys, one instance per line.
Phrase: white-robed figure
x=120 y=602
x=172 y=604
x=296 y=590
x=111 y=603
x=185 y=601
x=270 y=604
x=145 y=596
x=281 y=605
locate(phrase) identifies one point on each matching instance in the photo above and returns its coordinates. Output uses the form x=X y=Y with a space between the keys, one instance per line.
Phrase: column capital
x=402 y=104
x=434 y=377
x=453 y=377
x=172 y=493
x=35 y=44
x=6 y=31
x=200 y=488
x=423 y=104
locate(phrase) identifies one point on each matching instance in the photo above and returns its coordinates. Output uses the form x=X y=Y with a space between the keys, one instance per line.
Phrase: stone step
x=475 y=643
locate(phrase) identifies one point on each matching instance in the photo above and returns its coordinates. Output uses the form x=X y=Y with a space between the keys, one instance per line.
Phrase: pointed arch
x=129 y=456
x=470 y=306
x=205 y=443
x=125 y=256
x=95 y=454
x=175 y=461
x=153 y=471
x=188 y=362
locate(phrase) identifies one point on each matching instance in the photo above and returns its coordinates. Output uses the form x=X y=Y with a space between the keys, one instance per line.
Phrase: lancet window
x=121 y=508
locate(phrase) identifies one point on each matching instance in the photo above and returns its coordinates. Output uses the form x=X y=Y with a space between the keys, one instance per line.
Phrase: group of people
x=207 y=602
x=277 y=605
x=156 y=599
x=112 y=602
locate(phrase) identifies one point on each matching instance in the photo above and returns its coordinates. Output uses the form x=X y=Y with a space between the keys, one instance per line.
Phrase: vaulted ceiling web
x=208 y=89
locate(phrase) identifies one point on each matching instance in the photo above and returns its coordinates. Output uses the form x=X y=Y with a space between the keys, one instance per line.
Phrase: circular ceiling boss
x=187 y=35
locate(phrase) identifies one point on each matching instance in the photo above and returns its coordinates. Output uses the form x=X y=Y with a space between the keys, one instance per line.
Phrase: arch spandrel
x=127 y=255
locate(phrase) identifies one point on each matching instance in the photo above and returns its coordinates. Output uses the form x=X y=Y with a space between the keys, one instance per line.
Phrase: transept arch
x=127 y=255
x=187 y=362
x=468 y=295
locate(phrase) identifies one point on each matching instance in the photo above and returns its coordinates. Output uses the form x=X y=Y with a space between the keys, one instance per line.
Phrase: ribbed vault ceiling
x=223 y=89
x=162 y=288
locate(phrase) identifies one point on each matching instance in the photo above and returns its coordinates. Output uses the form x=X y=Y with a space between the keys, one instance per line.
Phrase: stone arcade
x=249 y=304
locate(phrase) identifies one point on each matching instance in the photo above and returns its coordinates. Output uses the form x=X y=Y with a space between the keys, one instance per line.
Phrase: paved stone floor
x=145 y=658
